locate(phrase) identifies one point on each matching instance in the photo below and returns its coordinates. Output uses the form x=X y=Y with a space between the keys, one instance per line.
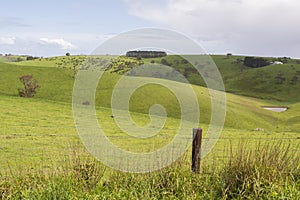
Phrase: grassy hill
x=56 y=84
x=274 y=82
x=242 y=112
x=42 y=156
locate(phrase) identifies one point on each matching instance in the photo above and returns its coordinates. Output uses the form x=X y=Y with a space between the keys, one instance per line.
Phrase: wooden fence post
x=196 y=151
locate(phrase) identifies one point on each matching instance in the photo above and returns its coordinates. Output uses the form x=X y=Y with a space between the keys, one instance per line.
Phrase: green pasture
x=38 y=135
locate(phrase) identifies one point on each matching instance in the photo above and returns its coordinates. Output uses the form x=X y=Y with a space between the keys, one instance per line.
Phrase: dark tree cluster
x=255 y=62
x=146 y=54
x=31 y=58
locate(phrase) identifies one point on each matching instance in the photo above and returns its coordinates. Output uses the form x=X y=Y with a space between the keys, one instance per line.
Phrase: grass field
x=43 y=157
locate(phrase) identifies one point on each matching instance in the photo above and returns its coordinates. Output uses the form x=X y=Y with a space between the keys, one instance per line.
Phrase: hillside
x=57 y=85
x=273 y=82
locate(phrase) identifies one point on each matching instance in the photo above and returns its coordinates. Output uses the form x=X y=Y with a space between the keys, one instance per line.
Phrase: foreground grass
x=37 y=159
x=267 y=172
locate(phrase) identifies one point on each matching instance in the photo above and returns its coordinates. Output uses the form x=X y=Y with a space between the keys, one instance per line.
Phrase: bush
x=30 y=86
x=164 y=62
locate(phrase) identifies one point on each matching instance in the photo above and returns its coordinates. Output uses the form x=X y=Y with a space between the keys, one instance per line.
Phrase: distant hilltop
x=146 y=54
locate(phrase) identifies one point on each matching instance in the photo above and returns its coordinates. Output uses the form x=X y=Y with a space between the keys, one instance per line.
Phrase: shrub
x=280 y=78
x=294 y=80
x=184 y=61
x=164 y=62
x=30 y=86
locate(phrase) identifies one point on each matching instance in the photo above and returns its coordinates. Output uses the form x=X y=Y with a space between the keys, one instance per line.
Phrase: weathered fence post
x=196 y=151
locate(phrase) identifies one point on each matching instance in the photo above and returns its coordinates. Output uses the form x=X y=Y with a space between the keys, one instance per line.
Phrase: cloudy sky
x=252 y=27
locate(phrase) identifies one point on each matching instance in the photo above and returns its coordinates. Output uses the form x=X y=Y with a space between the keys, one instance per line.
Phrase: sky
x=242 y=27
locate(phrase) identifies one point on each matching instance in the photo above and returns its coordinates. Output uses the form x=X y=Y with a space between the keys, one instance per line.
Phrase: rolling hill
x=57 y=85
x=273 y=82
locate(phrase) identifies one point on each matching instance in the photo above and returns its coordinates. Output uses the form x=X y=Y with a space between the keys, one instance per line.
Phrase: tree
x=146 y=54
x=30 y=86
x=31 y=58
x=228 y=55
x=68 y=54
x=255 y=62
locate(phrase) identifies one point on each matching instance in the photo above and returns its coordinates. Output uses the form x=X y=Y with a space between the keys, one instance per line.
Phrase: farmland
x=41 y=152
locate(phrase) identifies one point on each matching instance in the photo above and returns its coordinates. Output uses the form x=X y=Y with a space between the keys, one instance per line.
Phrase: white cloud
x=243 y=25
x=43 y=44
x=63 y=44
x=7 y=40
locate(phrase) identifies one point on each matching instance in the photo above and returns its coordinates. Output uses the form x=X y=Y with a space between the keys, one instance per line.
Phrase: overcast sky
x=248 y=27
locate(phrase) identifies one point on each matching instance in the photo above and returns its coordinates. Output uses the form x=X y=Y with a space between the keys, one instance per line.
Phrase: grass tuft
x=257 y=172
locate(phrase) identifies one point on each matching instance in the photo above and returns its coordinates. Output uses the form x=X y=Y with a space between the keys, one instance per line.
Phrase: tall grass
x=261 y=172
x=73 y=179
x=268 y=171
